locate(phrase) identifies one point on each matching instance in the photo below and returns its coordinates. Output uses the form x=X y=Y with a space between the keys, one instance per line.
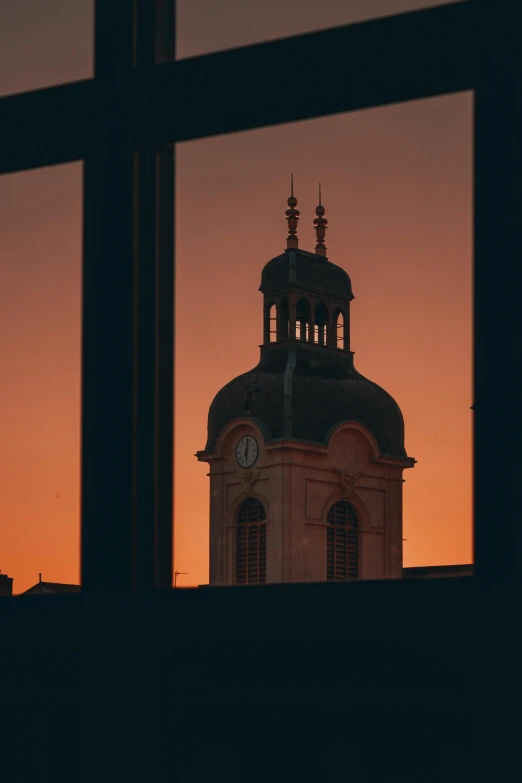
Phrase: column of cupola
x=311 y=324
x=331 y=337
x=292 y=306
x=346 y=345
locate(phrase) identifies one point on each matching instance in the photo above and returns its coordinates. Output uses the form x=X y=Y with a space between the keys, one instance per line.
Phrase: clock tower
x=306 y=455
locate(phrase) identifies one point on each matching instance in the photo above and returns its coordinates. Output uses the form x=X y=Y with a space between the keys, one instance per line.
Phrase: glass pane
x=397 y=189
x=205 y=26
x=42 y=44
x=40 y=312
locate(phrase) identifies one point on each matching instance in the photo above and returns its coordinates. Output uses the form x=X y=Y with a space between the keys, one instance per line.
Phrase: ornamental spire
x=320 y=227
x=292 y=215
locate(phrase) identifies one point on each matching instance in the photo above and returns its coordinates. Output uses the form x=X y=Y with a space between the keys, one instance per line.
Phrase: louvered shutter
x=342 y=543
x=251 y=542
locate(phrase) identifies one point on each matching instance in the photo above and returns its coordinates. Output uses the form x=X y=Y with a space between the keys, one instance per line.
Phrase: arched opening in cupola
x=339 y=330
x=302 y=318
x=320 y=324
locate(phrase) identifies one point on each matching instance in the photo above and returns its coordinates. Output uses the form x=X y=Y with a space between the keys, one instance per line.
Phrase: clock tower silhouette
x=306 y=455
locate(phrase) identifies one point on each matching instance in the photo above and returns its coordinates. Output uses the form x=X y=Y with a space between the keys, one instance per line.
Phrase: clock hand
x=246 y=450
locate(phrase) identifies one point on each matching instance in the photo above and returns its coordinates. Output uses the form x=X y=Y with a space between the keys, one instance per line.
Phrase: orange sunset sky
x=397 y=187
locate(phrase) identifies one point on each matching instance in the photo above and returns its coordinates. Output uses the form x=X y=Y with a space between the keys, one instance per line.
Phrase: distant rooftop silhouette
x=48 y=588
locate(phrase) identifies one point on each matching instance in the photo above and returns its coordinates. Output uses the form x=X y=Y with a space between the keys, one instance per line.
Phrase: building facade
x=6 y=585
x=306 y=455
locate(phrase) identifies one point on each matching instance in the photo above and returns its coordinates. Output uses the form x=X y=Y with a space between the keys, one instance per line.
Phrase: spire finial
x=320 y=224
x=292 y=216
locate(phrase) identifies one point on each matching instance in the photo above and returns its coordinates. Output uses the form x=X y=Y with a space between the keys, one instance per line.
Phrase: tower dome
x=303 y=391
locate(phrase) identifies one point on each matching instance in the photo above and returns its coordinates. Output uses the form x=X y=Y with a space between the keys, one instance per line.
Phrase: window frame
x=463 y=46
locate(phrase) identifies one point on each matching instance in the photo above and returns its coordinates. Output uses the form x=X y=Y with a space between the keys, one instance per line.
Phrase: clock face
x=247 y=451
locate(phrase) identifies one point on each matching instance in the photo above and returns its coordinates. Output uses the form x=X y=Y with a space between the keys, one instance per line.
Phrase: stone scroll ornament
x=348 y=480
x=248 y=479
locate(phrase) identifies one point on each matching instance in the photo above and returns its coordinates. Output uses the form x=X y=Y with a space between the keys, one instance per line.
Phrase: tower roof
x=324 y=389
x=305 y=270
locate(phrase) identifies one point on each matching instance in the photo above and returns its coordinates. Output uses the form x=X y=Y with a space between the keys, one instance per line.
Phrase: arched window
x=302 y=317
x=321 y=321
x=251 y=542
x=342 y=543
x=339 y=330
x=272 y=320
